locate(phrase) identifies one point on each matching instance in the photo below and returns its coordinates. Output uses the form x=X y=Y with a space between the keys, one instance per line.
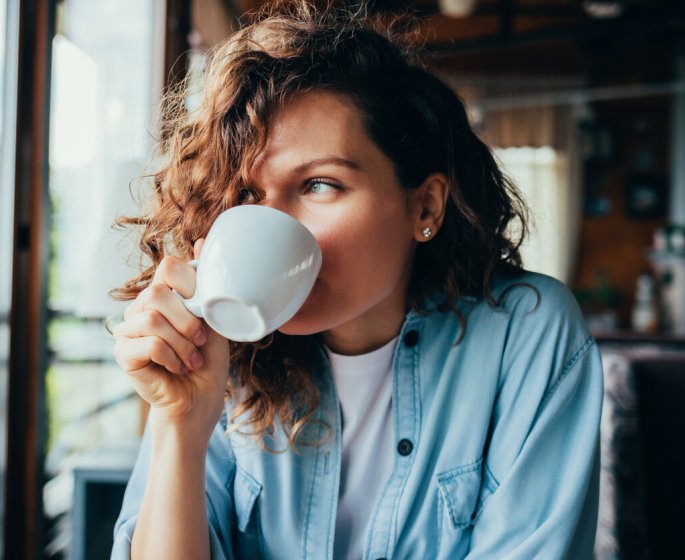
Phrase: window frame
x=27 y=318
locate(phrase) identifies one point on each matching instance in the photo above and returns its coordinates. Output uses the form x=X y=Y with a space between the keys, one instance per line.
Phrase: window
x=102 y=93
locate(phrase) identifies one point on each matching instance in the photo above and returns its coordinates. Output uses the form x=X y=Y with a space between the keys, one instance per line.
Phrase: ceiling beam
x=627 y=30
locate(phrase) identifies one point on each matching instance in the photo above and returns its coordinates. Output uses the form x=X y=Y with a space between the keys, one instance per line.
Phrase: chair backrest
x=660 y=384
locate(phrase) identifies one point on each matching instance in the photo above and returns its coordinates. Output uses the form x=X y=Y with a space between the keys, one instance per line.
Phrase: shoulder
x=527 y=306
x=524 y=295
x=545 y=330
x=539 y=308
x=533 y=293
x=533 y=333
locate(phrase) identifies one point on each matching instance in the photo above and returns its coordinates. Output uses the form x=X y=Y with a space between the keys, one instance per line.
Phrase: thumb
x=197 y=247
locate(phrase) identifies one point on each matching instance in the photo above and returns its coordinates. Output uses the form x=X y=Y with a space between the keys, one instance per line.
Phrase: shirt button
x=411 y=338
x=405 y=447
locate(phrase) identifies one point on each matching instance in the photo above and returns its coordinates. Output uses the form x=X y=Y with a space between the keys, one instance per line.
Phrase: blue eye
x=318 y=186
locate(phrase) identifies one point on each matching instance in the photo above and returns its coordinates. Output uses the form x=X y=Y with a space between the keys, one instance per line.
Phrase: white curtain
x=547 y=179
x=534 y=135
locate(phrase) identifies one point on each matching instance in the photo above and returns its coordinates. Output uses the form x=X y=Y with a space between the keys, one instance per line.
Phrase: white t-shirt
x=364 y=385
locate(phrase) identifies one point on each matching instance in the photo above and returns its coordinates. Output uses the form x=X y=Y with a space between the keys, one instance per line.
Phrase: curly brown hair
x=293 y=47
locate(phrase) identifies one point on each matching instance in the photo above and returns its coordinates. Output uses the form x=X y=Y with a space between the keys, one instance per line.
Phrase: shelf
x=638 y=337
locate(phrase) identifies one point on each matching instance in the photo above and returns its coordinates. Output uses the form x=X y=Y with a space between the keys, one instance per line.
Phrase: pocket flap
x=459 y=489
x=246 y=490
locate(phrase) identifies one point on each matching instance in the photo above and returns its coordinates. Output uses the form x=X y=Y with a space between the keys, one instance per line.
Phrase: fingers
x=171 y=274
x=177 y=275
x=157 y=326
x=151 y=323
x=197 y=248
x=138 y=353
x=160 y=298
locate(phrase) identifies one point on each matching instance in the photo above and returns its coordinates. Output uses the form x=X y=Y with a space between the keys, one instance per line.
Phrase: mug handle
x=193 y=303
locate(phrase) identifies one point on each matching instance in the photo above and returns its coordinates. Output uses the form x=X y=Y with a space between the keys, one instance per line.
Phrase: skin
x=319 y=166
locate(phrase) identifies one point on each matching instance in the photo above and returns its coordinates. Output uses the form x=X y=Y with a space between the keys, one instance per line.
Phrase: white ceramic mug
x=256 y=269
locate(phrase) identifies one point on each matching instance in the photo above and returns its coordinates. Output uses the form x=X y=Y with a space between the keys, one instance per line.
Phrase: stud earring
x=427 y=232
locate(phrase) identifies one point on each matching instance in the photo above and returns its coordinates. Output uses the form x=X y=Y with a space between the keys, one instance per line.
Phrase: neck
x=370 y=331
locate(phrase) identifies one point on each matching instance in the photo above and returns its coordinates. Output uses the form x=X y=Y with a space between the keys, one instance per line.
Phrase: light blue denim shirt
x=496 y=456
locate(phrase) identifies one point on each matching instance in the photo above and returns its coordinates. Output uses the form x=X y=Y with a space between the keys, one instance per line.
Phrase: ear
x=430 y=202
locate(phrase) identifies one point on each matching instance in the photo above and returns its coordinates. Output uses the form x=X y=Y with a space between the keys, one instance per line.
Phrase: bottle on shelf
x=645 y=316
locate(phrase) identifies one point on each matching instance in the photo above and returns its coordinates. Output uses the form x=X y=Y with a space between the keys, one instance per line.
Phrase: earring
x=427 y=232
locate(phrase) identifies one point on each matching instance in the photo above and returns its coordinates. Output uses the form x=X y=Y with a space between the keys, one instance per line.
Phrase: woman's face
x=320 y=166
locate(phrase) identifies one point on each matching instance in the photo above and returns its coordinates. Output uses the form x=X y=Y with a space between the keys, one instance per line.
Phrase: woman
x=430 y=400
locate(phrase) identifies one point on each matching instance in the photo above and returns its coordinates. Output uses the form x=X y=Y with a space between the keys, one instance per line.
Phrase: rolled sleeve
x=219 y=469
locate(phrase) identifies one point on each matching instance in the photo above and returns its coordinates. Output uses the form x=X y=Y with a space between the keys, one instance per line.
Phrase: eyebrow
x=333 y=160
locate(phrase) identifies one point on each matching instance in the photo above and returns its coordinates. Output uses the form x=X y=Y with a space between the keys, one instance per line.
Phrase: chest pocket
x=247 y=536
x=461 y=494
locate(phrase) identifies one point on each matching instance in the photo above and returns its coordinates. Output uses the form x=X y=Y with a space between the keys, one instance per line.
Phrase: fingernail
x=200 y=337
x=196 y=360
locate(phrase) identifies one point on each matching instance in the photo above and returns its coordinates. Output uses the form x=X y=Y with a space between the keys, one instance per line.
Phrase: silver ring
x=112 y=322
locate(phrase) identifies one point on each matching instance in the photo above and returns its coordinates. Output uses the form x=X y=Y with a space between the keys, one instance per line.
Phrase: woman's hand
x=177 y=363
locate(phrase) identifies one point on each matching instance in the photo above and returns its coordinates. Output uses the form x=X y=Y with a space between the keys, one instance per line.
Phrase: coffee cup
x=256 y=269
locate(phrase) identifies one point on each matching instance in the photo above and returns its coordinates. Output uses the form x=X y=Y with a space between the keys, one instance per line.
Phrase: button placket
x=407 y=422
